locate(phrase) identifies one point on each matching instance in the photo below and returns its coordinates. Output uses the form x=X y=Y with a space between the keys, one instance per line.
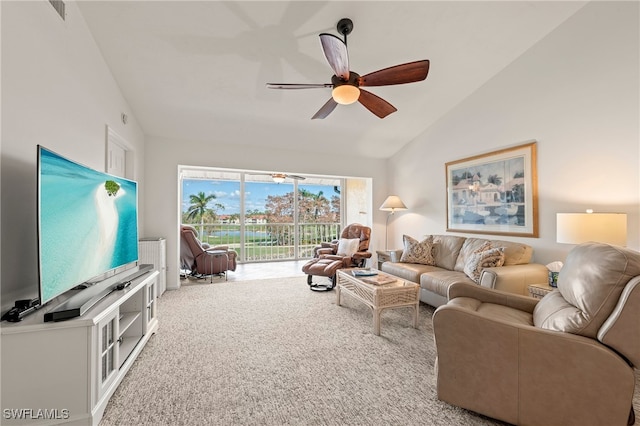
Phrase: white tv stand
x=65 y=372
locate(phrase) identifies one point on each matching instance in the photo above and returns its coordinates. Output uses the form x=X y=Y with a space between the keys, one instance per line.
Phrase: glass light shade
x=278 y=178
x=393 y=203
x=345 y=94
x=578 y=228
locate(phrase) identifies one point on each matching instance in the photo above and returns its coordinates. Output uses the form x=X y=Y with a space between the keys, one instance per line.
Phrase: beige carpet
x=272 y=352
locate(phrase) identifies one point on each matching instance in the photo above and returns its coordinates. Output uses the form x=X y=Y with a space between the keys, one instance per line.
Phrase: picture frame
x=494 y=193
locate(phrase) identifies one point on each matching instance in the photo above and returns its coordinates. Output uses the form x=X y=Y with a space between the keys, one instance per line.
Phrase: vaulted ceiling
x=197 y=69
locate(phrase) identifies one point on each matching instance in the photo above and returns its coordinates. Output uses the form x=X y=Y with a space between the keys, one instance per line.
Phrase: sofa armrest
x=395 y=255
x=514 y=278
x=487 y=295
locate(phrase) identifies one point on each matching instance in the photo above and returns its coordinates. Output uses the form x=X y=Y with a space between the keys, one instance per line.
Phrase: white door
x=116 y=159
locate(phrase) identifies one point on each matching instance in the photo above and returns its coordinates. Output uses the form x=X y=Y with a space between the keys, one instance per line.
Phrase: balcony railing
x=269 y=241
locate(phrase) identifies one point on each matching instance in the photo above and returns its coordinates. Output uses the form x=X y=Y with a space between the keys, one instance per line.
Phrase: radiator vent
x=58 y=5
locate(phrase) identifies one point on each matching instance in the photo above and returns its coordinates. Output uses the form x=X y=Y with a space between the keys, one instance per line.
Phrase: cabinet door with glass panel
x=107 y=351
x=151 y=300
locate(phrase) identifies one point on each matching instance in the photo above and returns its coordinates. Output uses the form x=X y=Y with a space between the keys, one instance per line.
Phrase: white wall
x=58 y=92
x=577 y=93
x=163 y=156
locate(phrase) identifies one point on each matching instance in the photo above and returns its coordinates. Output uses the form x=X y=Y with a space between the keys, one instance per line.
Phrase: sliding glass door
x=264 y=217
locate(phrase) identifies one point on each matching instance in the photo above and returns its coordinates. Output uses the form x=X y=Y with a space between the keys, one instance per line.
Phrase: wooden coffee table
x=397 y=294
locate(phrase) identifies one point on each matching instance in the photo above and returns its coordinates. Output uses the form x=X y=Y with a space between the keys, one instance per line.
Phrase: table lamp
x=391 y=204
x=577 y=228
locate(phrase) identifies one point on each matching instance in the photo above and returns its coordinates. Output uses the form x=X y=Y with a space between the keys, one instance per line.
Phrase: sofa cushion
x=446 y=250
x=408 y=271
x=438 y=280
x=514 y=253
x=485 y=256
x=589 y=286
x=417 y=251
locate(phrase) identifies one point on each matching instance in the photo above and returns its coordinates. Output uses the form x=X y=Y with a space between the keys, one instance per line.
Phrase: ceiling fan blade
x=298 y=86
x=336 y=53
x=399 y=74
x=296 y=177
x=326 y=109
x=375 y=104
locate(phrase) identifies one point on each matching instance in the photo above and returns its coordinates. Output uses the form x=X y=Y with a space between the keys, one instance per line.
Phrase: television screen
x=87 y=223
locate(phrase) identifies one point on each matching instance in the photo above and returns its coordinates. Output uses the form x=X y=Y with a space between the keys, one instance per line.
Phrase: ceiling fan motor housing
x=354 y=80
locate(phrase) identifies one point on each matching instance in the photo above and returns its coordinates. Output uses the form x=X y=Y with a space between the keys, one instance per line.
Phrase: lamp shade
x=345 y=94
x=577 y=228
x=393 y=203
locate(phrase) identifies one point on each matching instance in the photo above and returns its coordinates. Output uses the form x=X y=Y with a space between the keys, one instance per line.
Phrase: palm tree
x=198 y=208
x=495 y=179
x=317 y=201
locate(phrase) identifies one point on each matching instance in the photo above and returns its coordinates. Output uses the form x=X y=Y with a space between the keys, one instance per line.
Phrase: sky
x=228 y=193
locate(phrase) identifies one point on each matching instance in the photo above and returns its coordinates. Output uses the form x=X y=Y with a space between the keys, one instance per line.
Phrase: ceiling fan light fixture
x=278 y=178
x=345 y=94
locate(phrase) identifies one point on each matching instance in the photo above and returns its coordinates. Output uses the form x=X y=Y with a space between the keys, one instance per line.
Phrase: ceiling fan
x=347 y=84
x=280 y=177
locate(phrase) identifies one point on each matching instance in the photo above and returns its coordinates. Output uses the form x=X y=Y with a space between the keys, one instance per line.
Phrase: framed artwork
x=494 y=193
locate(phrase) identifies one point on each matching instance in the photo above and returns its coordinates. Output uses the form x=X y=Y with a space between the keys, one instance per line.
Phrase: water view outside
x=265 y=229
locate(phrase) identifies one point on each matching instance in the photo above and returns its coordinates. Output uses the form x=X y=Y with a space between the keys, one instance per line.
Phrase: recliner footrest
x=322 y=267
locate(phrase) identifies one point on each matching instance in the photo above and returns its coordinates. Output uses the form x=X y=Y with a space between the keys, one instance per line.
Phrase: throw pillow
x=347 y=247
x=418 y=251
x=485 y=256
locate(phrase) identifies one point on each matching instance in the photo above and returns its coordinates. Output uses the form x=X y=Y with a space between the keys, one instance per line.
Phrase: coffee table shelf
x=397 y=294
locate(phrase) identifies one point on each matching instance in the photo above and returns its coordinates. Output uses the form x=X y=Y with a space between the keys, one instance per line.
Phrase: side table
x=383 y=256
x=539 y=290
x=219 y=254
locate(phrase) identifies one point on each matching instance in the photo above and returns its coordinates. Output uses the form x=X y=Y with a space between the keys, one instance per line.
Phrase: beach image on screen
x=87 y=223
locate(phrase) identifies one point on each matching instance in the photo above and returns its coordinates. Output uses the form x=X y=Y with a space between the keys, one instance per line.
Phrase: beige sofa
x=451 y=253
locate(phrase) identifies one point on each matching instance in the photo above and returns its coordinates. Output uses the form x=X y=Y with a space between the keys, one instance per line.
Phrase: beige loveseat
x=450 y=255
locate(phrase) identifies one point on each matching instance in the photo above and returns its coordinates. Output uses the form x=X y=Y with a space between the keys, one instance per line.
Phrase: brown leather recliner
x=567 y=359
x=327 y=259
x=198 y=258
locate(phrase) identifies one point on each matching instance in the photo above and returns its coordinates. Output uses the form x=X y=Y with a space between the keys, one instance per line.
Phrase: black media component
x=21 y=309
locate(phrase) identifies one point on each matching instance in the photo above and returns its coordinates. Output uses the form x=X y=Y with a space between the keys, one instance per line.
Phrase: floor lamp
x=391 y=204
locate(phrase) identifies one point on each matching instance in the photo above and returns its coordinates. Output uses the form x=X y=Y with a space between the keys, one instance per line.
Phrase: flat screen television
x=87 y=224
